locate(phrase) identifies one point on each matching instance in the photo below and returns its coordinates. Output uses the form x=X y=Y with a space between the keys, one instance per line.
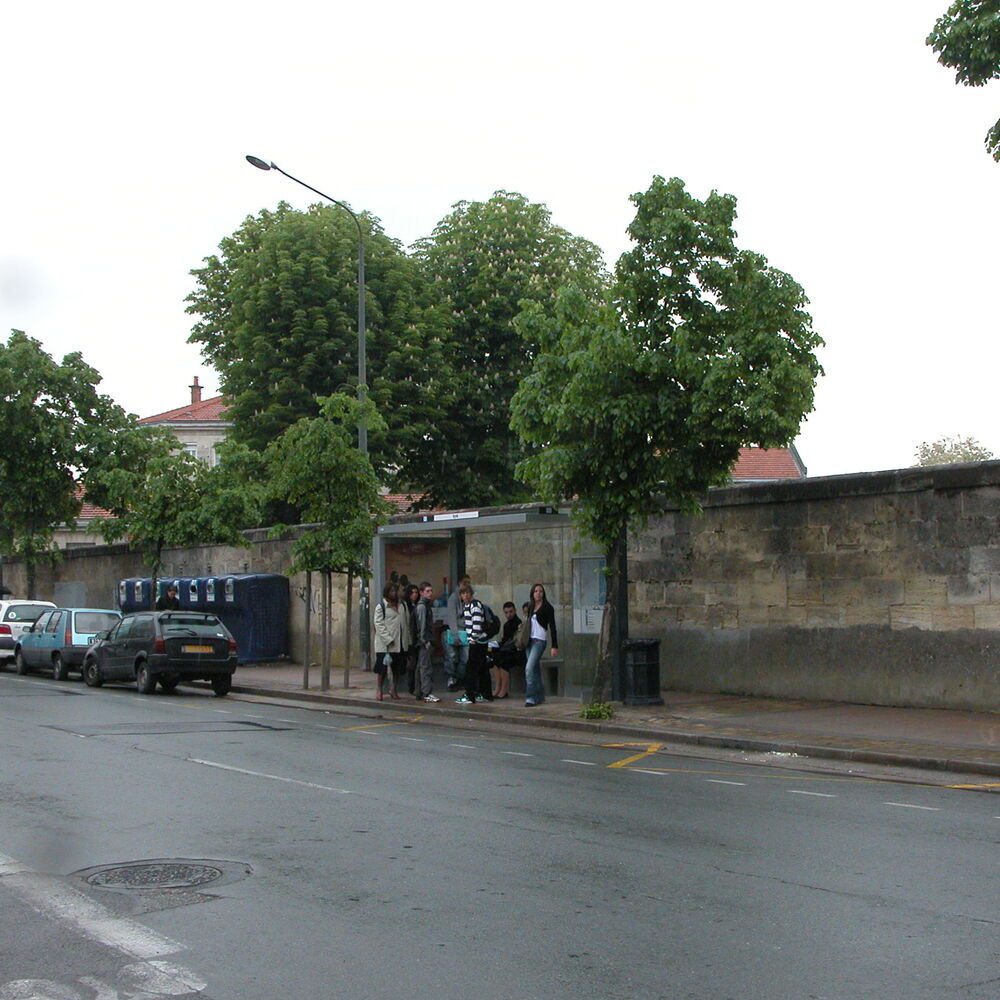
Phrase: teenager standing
x=542 y=617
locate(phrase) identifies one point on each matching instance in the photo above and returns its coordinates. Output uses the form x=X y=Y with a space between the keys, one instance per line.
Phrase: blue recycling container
x=253 y=606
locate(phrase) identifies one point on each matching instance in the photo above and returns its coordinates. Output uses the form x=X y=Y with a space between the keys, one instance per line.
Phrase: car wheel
x=19 y=665
x=168 y=685
x=60 y=671
x=222 y=685
x=144 y=681
x=92 y=674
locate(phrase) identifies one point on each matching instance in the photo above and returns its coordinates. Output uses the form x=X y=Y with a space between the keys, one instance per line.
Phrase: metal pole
x=363 y=601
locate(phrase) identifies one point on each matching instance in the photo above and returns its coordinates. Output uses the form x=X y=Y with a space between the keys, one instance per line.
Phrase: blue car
x=59 y=638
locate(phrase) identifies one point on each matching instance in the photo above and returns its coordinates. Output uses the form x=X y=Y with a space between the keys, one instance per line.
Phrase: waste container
x=641 y=661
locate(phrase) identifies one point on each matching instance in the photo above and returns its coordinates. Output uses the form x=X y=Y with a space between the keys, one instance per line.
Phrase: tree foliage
x=316 y=467
x=648 y=393
x=278 y=321
x=57 y=429
x=967 y=39
x=947 y=450
x=172 y=500
x=482 y=262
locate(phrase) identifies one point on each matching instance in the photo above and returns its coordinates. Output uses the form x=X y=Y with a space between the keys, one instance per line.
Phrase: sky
x=857 y=162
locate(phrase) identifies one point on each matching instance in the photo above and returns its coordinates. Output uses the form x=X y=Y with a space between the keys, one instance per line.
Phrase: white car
x=16 y=617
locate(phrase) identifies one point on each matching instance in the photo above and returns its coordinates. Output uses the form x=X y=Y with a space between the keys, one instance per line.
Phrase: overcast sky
x=857 y=162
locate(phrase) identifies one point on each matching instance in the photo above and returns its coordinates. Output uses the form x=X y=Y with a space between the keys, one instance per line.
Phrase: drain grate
x=156 y=875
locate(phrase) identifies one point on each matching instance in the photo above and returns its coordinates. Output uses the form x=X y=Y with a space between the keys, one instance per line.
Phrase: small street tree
x=173 y=500
x=647 y=395
x=967 y=39
x=316 y=467
x=947 y=450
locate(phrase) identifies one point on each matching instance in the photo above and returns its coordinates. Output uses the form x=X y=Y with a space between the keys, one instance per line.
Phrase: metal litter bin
x=641 y=662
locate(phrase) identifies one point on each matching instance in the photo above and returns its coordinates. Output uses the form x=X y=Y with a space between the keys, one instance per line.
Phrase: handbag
x=523 y=634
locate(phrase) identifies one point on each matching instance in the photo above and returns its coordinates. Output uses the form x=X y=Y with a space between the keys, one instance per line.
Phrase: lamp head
x=259 y=163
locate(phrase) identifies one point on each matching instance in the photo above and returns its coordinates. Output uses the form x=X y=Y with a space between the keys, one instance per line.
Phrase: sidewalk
x=935 y=739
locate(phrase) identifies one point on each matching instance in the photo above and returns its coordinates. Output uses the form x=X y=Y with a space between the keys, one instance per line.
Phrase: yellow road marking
x=978 y=784
x=651 y=748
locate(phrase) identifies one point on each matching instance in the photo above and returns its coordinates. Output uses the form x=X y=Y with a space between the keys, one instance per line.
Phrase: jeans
x=534 y=689
x=455 y=659
x=423 y=678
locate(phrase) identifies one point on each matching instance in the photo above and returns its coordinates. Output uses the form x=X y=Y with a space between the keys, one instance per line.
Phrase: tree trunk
x=348 y=632
x=608 y=680
x=324 y=666
x=308 y=650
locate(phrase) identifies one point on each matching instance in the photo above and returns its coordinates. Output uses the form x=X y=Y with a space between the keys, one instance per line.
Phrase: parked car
x=59 y=638
x=16 y=617
x=165 y=647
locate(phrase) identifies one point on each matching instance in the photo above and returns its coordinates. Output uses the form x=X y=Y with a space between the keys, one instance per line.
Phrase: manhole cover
x=155 y=875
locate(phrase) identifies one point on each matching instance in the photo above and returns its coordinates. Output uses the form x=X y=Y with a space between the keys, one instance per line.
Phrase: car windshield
x=25 y=612
x=90 y=622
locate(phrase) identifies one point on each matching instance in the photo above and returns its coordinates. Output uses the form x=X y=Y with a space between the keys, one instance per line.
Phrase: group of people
x=404 y=639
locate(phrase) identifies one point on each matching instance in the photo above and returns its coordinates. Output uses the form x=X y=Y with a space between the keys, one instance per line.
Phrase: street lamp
x=362 y=383
x=362 y=392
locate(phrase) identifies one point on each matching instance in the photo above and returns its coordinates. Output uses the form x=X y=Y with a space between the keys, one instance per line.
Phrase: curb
x=754 y=744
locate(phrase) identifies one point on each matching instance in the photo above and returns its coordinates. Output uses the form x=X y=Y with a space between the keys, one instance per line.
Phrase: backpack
x=491 y=624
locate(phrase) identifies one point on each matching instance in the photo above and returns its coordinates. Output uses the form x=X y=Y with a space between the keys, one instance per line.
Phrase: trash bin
x=641 y=661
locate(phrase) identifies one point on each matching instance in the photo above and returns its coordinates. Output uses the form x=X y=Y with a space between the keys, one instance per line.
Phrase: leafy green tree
x=482 y=261
x=56 y=428
x=947 y=450
x=316 y=467
x=967 y=39
x=648 y=394
x=172 y=500
x=277 y=312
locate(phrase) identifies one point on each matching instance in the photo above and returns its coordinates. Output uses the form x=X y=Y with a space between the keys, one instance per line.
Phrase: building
x=199 y=425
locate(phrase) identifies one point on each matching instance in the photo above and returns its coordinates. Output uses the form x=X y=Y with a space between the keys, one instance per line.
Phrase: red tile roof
x=756 y=464
x=206 y=409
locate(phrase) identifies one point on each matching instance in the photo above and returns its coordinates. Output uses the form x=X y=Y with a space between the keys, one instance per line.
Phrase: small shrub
x=597 y=710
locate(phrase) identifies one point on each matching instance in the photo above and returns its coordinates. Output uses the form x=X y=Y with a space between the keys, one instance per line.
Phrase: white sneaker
x=431 y=697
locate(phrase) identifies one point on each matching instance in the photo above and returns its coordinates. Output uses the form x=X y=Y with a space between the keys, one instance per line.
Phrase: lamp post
x=362 y=377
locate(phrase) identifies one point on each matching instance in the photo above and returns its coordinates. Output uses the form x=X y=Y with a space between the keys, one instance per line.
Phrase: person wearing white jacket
x=392 y=636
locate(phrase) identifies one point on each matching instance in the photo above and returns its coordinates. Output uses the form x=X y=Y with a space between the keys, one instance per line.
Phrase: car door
x=50 y=638
x=31 y=640
x=114 y=650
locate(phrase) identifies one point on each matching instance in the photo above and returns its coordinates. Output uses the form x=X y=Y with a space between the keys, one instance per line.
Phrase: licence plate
x=197 y=649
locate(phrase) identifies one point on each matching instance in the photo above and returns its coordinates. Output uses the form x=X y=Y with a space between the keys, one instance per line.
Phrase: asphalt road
x=197 y=847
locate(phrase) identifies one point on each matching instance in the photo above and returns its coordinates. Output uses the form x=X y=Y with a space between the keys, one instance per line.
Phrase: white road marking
x=642 y=770
x=270 y=777
x=462 y=746
x=719 y=781
x=818 y=795
x=413 y=739
x=907 y=805
x=514 y=753
x=64 y=903
x=582 y=763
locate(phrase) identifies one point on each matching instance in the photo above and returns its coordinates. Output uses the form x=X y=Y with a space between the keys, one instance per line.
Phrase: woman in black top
x=507 y=655
x=543 y=628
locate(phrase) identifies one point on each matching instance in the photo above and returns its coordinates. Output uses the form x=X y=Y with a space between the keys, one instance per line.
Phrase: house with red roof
x=199 y=425
x=762 y=465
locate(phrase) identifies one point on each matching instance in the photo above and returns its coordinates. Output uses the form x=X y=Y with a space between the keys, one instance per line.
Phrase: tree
x=56 y=428
x=648 y=394
x=172 y=500
x=278 y=321
x=947 y=450
x=967 y=39
x=482 y=261
x=316 y=467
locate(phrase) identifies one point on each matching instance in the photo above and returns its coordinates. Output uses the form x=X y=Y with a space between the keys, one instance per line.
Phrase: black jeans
x=477 y=673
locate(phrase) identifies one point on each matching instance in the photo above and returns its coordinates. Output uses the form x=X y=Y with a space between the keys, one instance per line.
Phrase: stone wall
x=881 y=588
